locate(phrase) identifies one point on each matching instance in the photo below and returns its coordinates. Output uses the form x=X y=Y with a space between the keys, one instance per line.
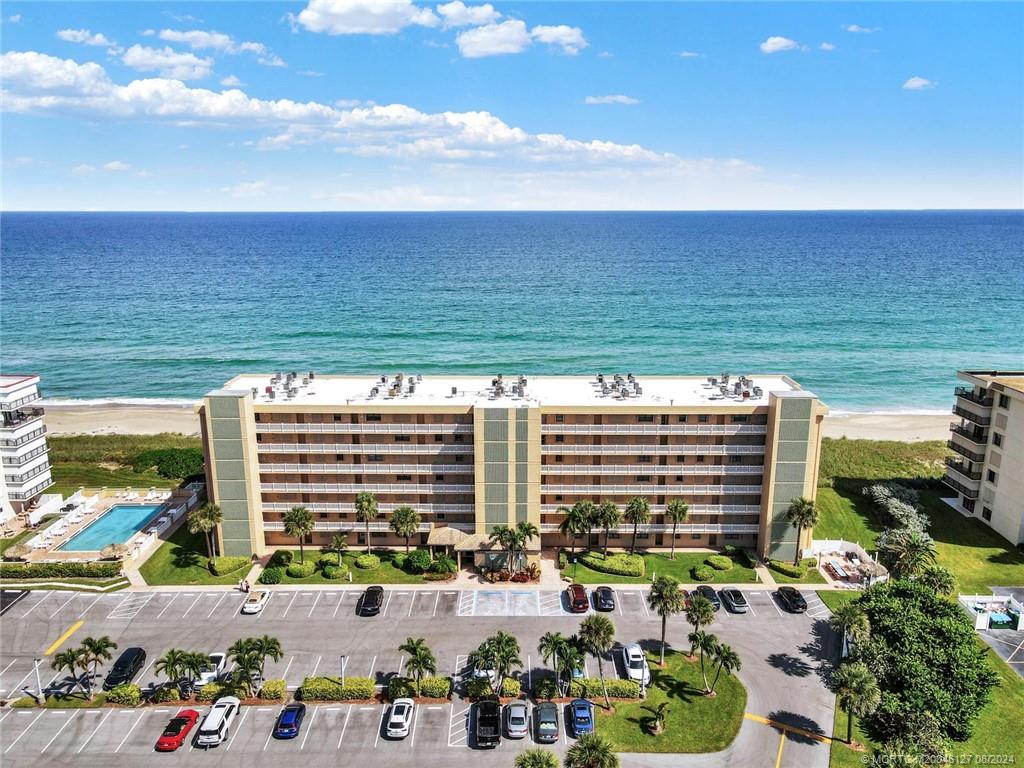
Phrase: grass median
x=659 y=564
x=182 y=560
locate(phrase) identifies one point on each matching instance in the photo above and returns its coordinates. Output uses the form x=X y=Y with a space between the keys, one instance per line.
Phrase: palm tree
x=908 y=551
x=192 y=664
x=171 y=665
x=266 y=647
x=569 y=660
x=592 y=750
x=339 y=543
x=660 y=715
x=700 y=612
x=607 y=516
x=405 y=521
x=666 y=599
x=525 y=532
x=857 y=691
x=203 y=520
x=298 y=522
x=536 y=758
x=638 y=512
x=597 y=636
x=707 y=644
x=727 y=659
x=68 y=659
x=504 y=537
x=801 y=514
x=247 y=668
x=505 y=650
x=849 y=619
x=421 y=660
x=677 y=511
x=938 y=579
x=93 y=651
x=576 y=520
x=551 y=646
x=366 y=512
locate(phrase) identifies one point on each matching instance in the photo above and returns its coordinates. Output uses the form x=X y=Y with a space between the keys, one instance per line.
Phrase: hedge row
x=429 y=687
x=335 y=571
x=164 y=694
x=702 y=573
x=273 y=690
x=271 y=575
x=105 y=570
x=213 y=691
x=719 y=562
x=128 y=695
x=331 y=689
x=739 y=554
x=589 y=688
x=224 y=564
x=619 y=564
x=301 y=570
x=480 y=687
x=368 y=562
x=788 y=569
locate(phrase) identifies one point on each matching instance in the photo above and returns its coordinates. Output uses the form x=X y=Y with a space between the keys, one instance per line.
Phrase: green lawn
x=76 y=700
x=182 y=560
x=880 y=459
x=28 y=585
x=812 y=576
x=695 y=723
x=660 y=565
x=848 y=516
x=834 y=598
x=387 y=573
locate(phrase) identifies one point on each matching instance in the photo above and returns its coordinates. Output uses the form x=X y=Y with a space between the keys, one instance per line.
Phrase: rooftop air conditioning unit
x=455 y=391
x=255 y=392
x=312 y=375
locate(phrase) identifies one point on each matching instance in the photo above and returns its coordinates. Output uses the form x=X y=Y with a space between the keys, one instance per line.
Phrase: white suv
x=635 y=662
x=217 y=723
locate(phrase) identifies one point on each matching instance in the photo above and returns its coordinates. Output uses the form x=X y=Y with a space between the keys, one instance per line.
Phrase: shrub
x=418 y=561
x=336 y=571
x=619 y=564
x=280 y=558
x=368 y=562
x=164 y=694
x=511 y=688
x=399 y=561
x=172 y=463
x=563 y=560
x=479 y=687
x=788 y=569
x=15 y=571
x=443 y=564
x=213 y=691
x=401 y=687
x=702 y=573
x=331 y=689
x=437 y=576
x=719 y=562
x=271 y=576
x=127 y=695
x=301 y=570
x=436 y=687
x=223 y=564
x=545 y=688
x=739 y=555
x=273 y=690
x=591 y=688
x=328 y=558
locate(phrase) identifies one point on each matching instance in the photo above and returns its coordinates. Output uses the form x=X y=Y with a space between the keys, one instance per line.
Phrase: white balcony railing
x=695 y=509
x=13 y=405
x=21 y=459
x=654 y=429
x=23 y=438
x=341 y=525
x=384 y=507
x=372 y=428
x=638 y=489
x=376 y=468
x=652 y=469
x=27 y=493
x=371 y=487
x=426 y=449
x=622 y=449
x=627 y=531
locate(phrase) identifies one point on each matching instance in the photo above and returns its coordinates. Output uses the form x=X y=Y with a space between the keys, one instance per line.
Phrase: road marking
x=412 y=602
x=315 y=600
x=644 y=604
x=7 y=667
x=236 y=730
x=267 y=742
x=412 y=736
x=771 y=599
x=401 y=664
x=380 y=726
x=56 y=643
x=390 y=593
x=141 y=715
x=287 y=667
x=529 y=672
x=437 y=597
x=216 y=605
x=146 y=668
x=309 y=728
x=191 y=606
x=318 y=659
x=336 y=607
x=73 y=596
x=372 y=665
x=750 y=607
x=58 y=733
x=40 y=602
x=164 y=609
x=294 y=595
x=347 y=716
x=788 y=728
x=16 y=740
x=782 y=743
x=94 y=730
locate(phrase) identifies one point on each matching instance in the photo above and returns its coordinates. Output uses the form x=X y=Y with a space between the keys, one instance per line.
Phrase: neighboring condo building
x=475 y=452
x=987 y=472
x=23 y=449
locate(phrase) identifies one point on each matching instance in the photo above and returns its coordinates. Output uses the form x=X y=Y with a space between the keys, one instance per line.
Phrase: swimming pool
x=115 y=526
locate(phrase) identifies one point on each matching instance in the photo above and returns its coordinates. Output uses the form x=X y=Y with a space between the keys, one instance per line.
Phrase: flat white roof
x=539 y=391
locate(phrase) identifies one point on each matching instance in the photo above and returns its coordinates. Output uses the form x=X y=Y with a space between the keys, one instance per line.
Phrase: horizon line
x=526 y=210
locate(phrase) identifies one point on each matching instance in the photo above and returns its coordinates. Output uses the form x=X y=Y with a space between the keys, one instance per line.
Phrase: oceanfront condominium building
x=473 y=452
x=23 y=450
x=987 y=472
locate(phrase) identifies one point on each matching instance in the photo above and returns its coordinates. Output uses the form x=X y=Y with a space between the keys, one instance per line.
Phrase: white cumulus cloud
x=458 y=14
x=230 y=81
x=690 y=55
x=919 y=84
x=84 y=36
x=827 y=47
x=168 y=62
x=569 y=39
x=201 y=40
x=116 y=165
x=494 y=39
x=363 y=17
x=15 y=18
x=777 y=43
x=858 y=29
x=615 y=98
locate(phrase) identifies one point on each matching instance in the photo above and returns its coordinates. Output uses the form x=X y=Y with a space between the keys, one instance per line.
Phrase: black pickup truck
x=488 y=723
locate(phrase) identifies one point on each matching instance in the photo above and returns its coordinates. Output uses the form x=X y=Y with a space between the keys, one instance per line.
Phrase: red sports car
x=578 y=600
x=177 y=730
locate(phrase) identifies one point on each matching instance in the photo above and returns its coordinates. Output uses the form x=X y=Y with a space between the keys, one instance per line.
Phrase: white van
x=217 y=723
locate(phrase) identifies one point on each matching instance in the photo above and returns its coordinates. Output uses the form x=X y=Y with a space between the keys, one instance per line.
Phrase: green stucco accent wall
x=231 y=486
x=791 y=452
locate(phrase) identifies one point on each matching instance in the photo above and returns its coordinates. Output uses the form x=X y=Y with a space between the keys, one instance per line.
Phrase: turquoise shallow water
x=115 y=526
x=873 y=311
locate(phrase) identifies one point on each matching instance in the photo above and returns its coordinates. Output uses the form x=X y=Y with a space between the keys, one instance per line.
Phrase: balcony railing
x=971 y=416
x=977 y=435
x=960 y=468
x=18 y=419
x=695 y=509
x=968 y=393
x=638 y=489
x=13 y=405
x=376 y=468
x=24 y=478
x=418 y=449
x=385 y=507
x=687 y=528
x=967 y=453
x=382 y=428
x=25 y=495
x=623 y=449
x=321 y=526
x=652 y=469
x=653 y=429
x=20 y=461
x=371 y=487
x=969 y=493
x=28 y=438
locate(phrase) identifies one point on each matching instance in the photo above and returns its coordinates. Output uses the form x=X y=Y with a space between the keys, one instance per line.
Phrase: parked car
x=709 y=592
x=177 y=730
x=488 y=723
x=517 y=720
x=791 y=599
x=635 y=662
x=290 y=721
x=582 y=717
x=546 y=715
x=578 y=673
x=372 y=601
x=255 y=601
x=399 y=719
x=734 y=600
x=217 y=724
x=214 y=669
x=604 y=599
x=483 y=672
x=125 y=668
x=578 y=601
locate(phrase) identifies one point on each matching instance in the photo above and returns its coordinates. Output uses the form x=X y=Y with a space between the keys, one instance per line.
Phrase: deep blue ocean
x=874 y=311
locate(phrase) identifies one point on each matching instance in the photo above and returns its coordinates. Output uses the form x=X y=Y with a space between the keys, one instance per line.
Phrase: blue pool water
x=116 y=526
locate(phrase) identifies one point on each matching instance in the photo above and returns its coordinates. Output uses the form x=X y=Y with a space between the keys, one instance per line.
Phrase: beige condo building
x=472 y=452
x=987 y=472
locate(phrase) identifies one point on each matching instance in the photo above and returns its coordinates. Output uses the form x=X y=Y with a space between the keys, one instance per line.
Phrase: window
x=339 y=457
x=695 y=536
x=993 y=477
x=681 y=419
x=459 y=457
x=700 y=459
x=559 y=417
x=614 y=535
x=458 y=438
x=337 y=417
x=740 y=419
x=258 y=417
x=643 y=459
x=401 y=438
x=680 y=478
x=986 y=514
x=1004 y=401
x=558 y=497
x=997 y=439
x=559 y=438
x=439 y=477
x=645 y=419
x=735 y=459
x=643 y=478
x=440 y=516
x=438 y=438
x=375 y=457
x=559 y=459
x=702 y=418
x=729 y=536
x=404 y=477
x=680 y=459
x=360 y=538
x=373 y=417
x=259 y=438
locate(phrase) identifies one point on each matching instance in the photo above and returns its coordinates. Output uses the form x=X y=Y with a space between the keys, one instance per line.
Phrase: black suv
x=125 y=668
x=604 y=599
x=709 y=592
x=373 y=599
x=791 y=599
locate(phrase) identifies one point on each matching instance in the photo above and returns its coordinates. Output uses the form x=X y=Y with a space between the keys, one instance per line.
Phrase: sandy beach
x=153 y=419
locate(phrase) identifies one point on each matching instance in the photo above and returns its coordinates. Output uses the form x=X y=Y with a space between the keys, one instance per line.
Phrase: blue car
x=582 y=717
x=289 y=721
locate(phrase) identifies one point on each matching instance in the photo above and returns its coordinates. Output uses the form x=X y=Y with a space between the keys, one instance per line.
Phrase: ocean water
x=874 y=311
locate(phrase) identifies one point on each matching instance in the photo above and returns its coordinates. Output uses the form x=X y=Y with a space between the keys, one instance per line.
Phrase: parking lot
x=782 y=655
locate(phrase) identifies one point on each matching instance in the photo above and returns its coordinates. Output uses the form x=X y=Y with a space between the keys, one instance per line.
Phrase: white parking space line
x=309 y=727
x=436 y=598
x=164 y=609
x=385 y=613
x=98 y=598
x=412 y=734
x=750 y=607
x=198 y=598
x=269 y=735
x=63 y=606
x=150 y=663
x=38 y=603
x=94 y=731
x=6 y=668
x=372 y=665
x=457 y=726
x=59 y=732
x=343 y=727
x=216 y=605
x=285 y=614
x=380 y=726
x=236 y=730
x=129 y=733
x=771 y=599
x=316 y=666
x=27 y=728
x=315 y=601
x=341 y=599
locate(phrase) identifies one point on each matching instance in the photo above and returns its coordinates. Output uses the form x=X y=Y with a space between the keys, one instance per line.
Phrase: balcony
x=585 y=470
x=653 y=429
x=962 y=469
x=385 y=507
x=31 y=474
x=22 y=460
x=971 y=416
x=415 y=488
x=977 y=435
x=683 y=528
x=372 y=428
x=967 y=453
x=418 y=449
x=695 y=509
x=25 y=495
x=27 y=438
x=624 y=449
x=963 y=490
x=376 y=468
x=640 y=489
x=968 y=393
x=13 y=405
x=18 y=419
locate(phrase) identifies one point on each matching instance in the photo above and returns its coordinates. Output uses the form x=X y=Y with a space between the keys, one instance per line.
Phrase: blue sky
x=367 y=105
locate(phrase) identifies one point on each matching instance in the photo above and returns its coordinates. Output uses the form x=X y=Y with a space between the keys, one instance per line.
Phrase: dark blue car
x=289 y=721
x=582 y=717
